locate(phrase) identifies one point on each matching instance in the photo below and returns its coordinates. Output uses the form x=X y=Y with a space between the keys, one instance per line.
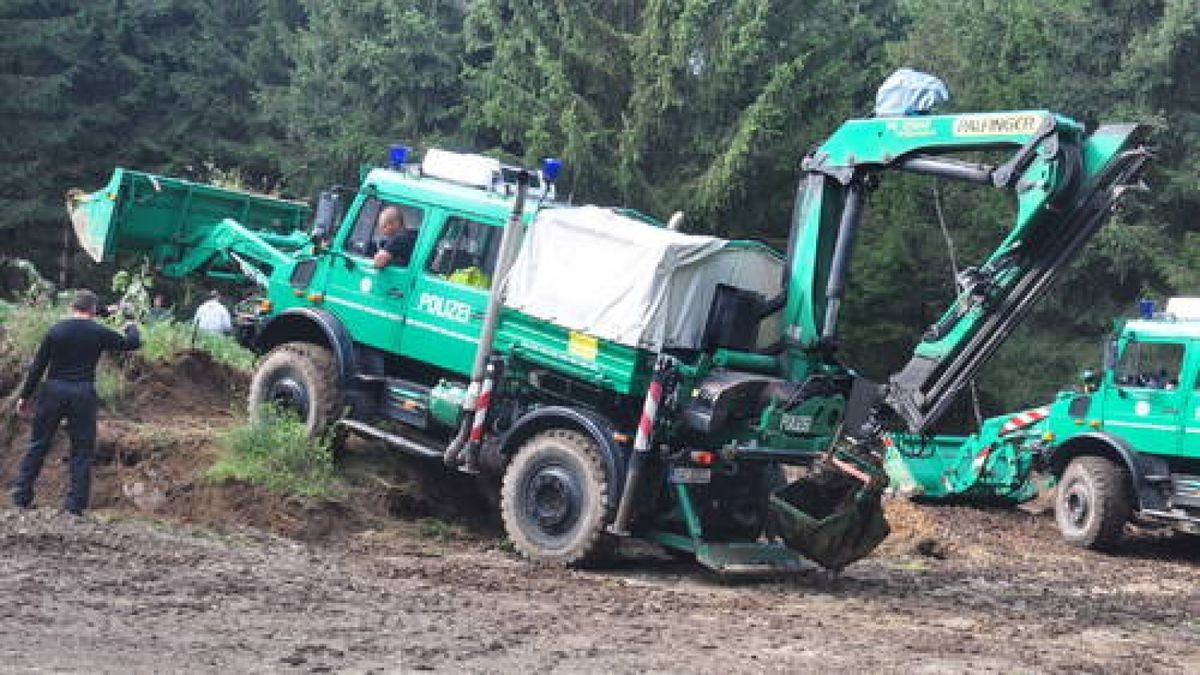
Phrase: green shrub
x=276 y=453
x=25 y=325
x=162 y=340
x=111 y=384
x=225 y=349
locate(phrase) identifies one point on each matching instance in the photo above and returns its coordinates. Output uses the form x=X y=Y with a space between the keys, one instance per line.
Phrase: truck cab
x=1150 y=397
x=1130 y=447
x=431 y=299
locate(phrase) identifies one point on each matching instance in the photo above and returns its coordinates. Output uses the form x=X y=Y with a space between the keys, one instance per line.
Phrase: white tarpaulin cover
x=617 y=278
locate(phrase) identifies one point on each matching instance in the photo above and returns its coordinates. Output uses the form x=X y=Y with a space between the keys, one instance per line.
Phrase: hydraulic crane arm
x=1064 y=182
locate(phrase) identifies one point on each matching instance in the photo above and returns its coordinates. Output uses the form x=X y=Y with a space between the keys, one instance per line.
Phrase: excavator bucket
x=829 y=517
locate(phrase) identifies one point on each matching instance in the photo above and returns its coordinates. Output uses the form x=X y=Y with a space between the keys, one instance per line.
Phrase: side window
x=1194 y=348
x=466 y=252
x=1150 y=365
x=365 y=237
x=359 y=241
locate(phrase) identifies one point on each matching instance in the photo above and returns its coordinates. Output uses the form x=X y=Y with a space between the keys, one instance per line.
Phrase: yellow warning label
x=582 y=345
x=997 y=125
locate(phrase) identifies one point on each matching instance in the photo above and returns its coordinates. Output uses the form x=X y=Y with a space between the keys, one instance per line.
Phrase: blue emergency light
x=1146 y=309
x=550 y=169
x=398 y=154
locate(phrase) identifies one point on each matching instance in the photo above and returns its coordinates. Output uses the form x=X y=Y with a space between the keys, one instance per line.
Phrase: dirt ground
x=173 y=573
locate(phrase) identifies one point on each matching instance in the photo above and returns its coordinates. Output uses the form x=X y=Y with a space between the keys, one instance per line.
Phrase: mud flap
x=829 y=517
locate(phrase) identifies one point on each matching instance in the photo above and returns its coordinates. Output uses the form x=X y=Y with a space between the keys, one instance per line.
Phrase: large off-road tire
x=1093 y=503
x=301 y=378
x=553 y=499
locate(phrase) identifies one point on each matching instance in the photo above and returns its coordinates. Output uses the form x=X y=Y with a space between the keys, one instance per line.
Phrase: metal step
x=1185 y=490
x=751 y=558
x=407 y=445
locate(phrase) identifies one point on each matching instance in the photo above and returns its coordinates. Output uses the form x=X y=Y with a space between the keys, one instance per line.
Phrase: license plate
x=690 y=474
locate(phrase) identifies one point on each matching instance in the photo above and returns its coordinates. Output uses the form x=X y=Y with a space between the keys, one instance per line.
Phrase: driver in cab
x=393 y=242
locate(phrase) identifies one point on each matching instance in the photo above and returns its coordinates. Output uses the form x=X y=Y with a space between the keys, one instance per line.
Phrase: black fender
x=613 y=456
x=1118 y=450
x=307 y=324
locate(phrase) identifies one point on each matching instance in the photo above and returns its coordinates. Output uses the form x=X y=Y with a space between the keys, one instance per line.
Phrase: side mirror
x=1088 y=378
x=1109 y=354
x=331 y=206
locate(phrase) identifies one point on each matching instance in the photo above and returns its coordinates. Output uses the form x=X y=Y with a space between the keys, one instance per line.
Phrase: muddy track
x=121 y=595
x=174 y=573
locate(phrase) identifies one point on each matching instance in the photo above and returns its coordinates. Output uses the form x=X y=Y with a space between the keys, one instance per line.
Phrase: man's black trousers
x=76 y=403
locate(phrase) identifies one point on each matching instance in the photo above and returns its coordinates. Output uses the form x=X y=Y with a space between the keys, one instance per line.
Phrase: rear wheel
x=554 y=497
x=1093 y=502
x=297 y=378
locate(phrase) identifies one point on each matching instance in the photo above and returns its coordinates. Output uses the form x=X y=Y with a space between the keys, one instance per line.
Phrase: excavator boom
x=1064 y=182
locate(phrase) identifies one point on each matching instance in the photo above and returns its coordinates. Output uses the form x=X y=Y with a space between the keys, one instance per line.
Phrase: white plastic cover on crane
x=910 y=92
x=620 y=279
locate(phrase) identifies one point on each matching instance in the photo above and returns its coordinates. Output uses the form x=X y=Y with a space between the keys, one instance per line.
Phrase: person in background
x=159 y=311
x=69 y=352
x=212 y=317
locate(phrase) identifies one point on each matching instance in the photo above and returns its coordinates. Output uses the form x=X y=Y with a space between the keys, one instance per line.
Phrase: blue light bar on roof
x=397 y=154
x=550 y=169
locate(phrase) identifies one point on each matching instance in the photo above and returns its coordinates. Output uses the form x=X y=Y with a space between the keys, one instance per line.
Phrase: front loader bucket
x=164 y=217
x=829 y=517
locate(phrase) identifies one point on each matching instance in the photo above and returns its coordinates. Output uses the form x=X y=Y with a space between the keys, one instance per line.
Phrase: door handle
x=1170 y=411
x=395 y=293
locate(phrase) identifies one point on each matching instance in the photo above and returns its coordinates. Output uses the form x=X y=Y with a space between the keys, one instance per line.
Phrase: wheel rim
x=1078 y=505
x=553 y=499
x=289 y=394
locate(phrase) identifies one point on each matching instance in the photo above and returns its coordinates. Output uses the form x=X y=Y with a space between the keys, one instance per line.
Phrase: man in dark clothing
x=71 y=349
x=393 y=242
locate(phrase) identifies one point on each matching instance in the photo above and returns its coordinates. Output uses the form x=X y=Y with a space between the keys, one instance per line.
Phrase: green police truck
x=618 y=377
x=1124 y=445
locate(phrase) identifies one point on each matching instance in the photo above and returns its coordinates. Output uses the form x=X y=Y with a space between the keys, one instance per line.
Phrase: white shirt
x=212 y=316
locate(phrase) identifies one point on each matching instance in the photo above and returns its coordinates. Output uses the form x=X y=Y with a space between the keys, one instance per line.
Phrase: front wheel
x=1093 y=502
x=554 y=497
x=297 y=378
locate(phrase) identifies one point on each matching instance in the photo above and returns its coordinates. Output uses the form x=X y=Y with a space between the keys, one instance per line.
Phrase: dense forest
x=703 y=106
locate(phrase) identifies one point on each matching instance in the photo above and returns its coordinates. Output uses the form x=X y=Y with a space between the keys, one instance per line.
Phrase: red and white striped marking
x=645 y=431
x=982 y=457
x=850 y=469
x=481 y=410
x=1024 y=419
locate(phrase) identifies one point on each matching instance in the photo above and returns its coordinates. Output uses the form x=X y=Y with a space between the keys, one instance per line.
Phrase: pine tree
x=362 y=76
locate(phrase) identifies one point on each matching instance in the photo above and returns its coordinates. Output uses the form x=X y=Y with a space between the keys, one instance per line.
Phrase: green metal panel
x=882 y=140
x=602 y=363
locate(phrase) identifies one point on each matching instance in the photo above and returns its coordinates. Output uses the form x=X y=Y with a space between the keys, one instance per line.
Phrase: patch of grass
x=277 y=454
x=436 y=528
x=111 y=385
x=162 y=340
x=25 y=325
